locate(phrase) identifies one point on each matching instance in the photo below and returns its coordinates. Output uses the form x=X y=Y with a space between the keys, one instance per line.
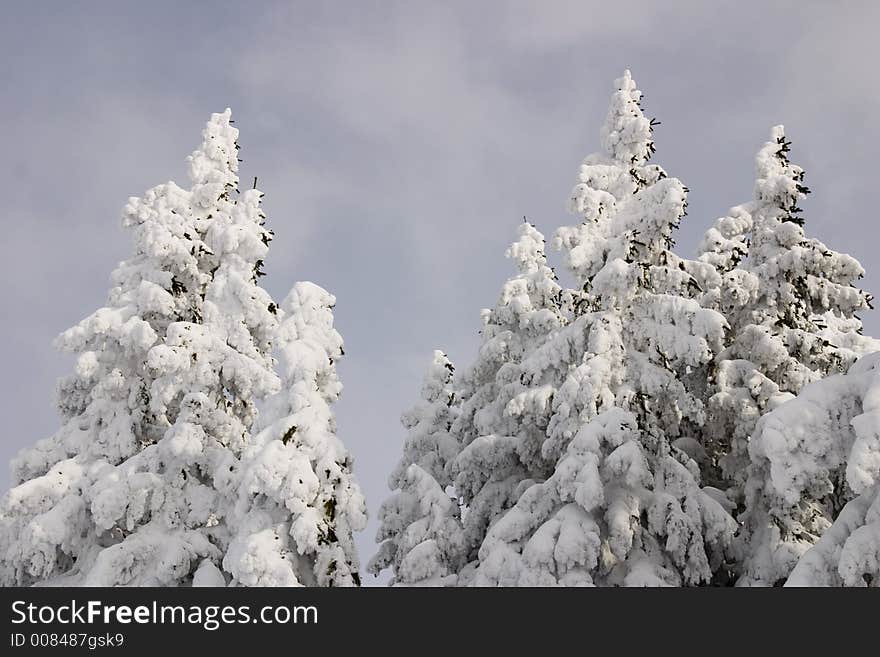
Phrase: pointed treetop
x=429 y=444
x=626 y=135
x=309 y=300
x=777 y=133
x=216 y=160
x=306 y=336
x=779 y=182
x=438 y=379
x=528 y=250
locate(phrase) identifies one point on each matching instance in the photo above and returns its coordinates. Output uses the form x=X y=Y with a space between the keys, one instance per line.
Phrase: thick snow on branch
x=143 y=483
x=816 y=461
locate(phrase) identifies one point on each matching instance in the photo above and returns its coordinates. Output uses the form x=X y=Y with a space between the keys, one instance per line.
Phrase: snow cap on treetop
x=528 y=250
x=778 y=181
x=306 y=335
x=216 y=160
x=626 y=135
x=438 y=378
x=307 y=298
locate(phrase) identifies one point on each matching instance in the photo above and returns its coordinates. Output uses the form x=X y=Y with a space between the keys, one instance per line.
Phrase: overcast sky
x=399 y=145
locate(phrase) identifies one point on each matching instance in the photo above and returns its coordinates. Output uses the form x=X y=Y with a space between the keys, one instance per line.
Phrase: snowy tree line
x=662 y=421
x=163 y=472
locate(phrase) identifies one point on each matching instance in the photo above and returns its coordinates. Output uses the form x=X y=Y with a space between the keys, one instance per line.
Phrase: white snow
x=158 y=475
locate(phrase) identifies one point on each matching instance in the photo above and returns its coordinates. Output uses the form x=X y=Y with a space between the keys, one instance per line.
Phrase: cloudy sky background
x=399 y=145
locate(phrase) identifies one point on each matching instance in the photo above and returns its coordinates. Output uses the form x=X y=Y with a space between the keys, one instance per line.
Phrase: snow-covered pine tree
x=502 y=421
x=819 y=456
x=420 y=532
x=622 y=504
x=791 y=304
x=806 y=290
x=136 y=486
x=298 y=503
x=737 y=392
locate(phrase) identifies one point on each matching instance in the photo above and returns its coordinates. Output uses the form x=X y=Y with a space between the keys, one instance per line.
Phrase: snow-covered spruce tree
x=420 y=533
x=738 y=393
x=298 y=503
x=791 y=305
x=501 y=425
x=819 y=456
x=622 y=504
x=136 y=486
